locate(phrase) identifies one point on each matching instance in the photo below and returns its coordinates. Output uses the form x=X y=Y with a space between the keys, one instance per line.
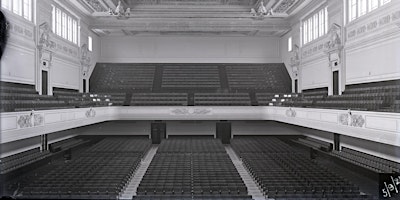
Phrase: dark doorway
x=296 y=86
x=44 y=142
x=336 y=83
x=158 y=132
x=336 y=141
x=84 y=85
x=44 y=83
x=224 y=131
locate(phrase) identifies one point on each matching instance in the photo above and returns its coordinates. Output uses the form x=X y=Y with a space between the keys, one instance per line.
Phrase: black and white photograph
x=200 y=99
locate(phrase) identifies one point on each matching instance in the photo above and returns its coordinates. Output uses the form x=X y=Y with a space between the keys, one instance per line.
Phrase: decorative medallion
x=344 y=119
x=357 y=121
x=290 y=112
x=38 y=120
x=90 y=113
x=25 y=121
x=191 y=111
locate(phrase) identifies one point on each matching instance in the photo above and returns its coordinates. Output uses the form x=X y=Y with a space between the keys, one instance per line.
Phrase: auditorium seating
x=314 y=143
x=98 y=172
x=22 y=97
x=186 y=84
x=284 y=173
x=66 y=144
x=275 y=99
x=19 y=160
x=364 y=105
x=193 y=168
x=190 y=77
x=159 y=99
x=81 y=100
x=222 y=99
x=373 y=163
x=122 y=78
x=267 y=77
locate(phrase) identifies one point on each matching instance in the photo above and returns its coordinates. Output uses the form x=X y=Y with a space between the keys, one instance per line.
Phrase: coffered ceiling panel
x=189 y=17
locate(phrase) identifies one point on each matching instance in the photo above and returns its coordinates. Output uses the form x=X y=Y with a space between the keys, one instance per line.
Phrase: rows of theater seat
x=121 y=78
x=284 y=173
x=19 y=160
x=66 y=144
x=75 y=99
x=206 y=77
x=366 y=98
x=101 y=171
x=374 y=163
x=190 y=77
x=186 y=168
x=159 y=99
x=22 y=97
x=222 y=99
x=316 y=144
x=268 y=77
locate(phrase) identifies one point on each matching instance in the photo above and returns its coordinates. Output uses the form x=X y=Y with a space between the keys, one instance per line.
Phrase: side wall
x=186 y=49
x=21 y=61
x=370 y=47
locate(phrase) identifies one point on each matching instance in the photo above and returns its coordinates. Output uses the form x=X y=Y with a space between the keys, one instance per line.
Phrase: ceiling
x=190 y=17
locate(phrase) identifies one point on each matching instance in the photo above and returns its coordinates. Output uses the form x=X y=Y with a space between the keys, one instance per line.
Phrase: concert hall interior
x=200 y=99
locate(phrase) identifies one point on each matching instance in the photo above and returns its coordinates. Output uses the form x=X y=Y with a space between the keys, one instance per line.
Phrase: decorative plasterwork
x=23 y=29
x=193 y=17
x=344 y=119
x=357 y=121
x=85 y=60
x=191 y=111
x=26 y=121
x=376 y=23
x=192 y=2
x=90 y=113
x=106 y=26
x=314 y=48
x=284 y=6
x=96 y=5
x=65 y=49
x=295 y=60
x=349 y=119
x=290 y=112
x=45 y=46
x=334 y=46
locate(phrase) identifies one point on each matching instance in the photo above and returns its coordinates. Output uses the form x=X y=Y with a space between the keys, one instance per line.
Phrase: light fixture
x=119 y=11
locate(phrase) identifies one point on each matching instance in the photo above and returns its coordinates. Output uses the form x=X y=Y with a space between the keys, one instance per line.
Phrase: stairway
x=131 y=188
x=252 y=187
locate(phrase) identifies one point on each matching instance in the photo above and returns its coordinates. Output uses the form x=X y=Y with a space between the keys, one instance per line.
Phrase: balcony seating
x=19 y=160
x=21 y=97
x=99 y=172
x=194 y=168
x=159 y=99
x=190 y=77
x=364 y=105
x=82 y=100
x=373 y=163
x=275 y=99
x=122 y=78
x=268 y=77
x=222 y=99
x=379 y=96
x=282 y=172
x=316 y=144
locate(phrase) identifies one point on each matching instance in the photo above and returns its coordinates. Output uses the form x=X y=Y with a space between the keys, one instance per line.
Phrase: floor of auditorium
x=366 y=184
